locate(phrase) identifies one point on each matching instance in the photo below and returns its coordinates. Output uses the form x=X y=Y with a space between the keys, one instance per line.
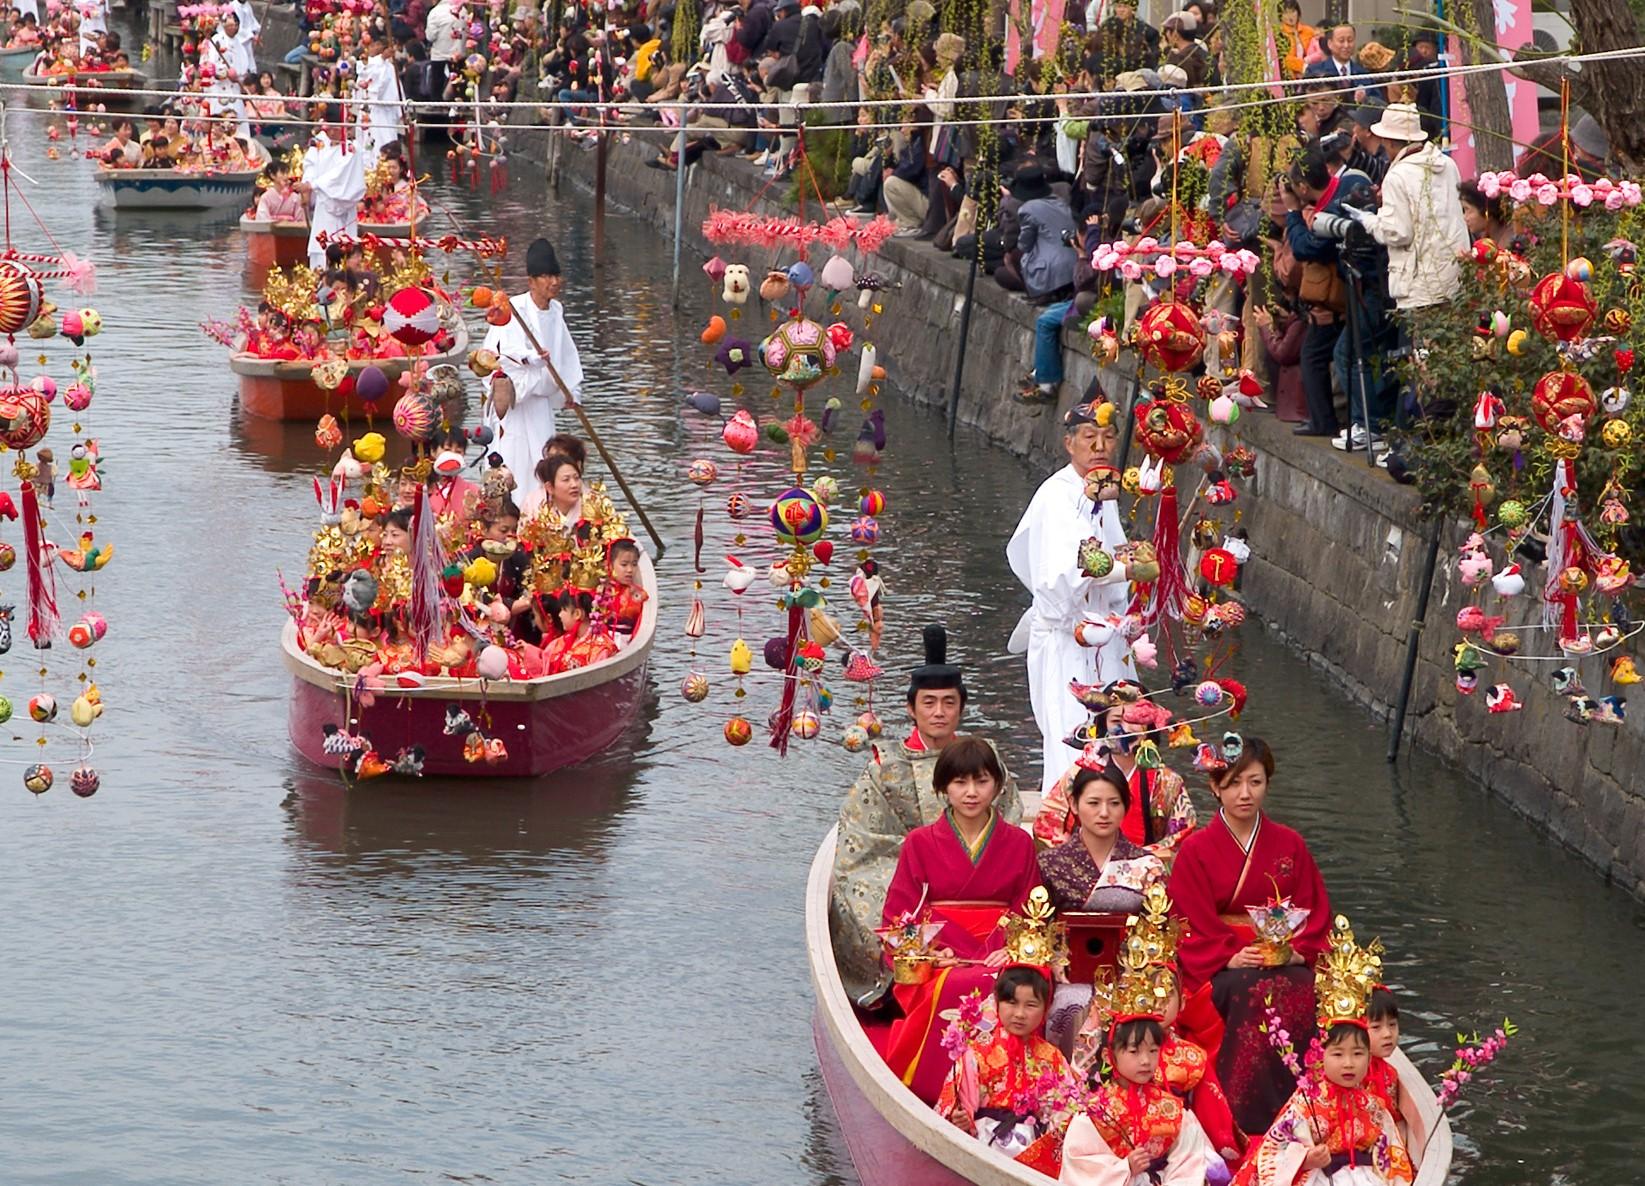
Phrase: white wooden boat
x=14 y=63
x=896 y=1140
x=175 y=189
x=93 y=88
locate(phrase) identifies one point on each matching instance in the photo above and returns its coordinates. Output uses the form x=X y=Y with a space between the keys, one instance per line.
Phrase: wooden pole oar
x=582 y=416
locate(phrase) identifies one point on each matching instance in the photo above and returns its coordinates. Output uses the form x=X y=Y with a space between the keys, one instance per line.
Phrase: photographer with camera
x=1313 y=188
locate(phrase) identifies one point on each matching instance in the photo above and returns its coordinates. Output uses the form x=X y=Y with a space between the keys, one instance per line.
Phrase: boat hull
x=287 y=391
x=91 y=89
x=14 y=63
x=546 y=724
x=896 y=1140
x=169 y=189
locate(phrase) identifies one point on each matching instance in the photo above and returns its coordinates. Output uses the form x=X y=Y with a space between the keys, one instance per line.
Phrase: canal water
x=228 y=968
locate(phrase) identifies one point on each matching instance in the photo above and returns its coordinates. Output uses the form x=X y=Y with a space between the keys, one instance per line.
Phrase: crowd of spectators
x=1359 y=218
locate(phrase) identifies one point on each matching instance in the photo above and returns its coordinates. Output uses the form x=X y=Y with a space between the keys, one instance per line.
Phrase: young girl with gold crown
x=1333 y=1131
x=1009 y=1087
x=1382 y=1080
x=1133 y=1130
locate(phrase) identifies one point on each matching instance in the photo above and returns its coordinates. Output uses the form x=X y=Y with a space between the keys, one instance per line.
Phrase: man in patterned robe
x=891 y=798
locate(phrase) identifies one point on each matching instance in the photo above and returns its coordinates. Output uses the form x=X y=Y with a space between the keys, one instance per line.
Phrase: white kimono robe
x=1044 y=556
x=232 y=61
x=1088 y=1161
x=529 y=424
x=381 y=116
x=338 y=177
x=250 y=27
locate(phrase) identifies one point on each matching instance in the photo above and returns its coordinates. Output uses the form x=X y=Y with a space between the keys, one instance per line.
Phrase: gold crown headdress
x=1147 y=963
x=1345 y=976
x=1036 y=938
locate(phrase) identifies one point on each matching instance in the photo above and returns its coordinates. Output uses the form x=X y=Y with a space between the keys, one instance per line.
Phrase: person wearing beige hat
x=1420 y=220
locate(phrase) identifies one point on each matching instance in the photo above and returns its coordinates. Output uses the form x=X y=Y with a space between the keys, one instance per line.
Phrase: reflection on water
x=227 y=967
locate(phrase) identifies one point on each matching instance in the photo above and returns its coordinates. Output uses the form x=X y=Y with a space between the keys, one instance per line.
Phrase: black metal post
x=1356 y=343
x=965 y=332
x=1130 y=413
x=1412 y=641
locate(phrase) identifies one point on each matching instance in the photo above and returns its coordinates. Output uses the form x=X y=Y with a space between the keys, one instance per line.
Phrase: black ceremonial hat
x=937 y=672
x=540 y=259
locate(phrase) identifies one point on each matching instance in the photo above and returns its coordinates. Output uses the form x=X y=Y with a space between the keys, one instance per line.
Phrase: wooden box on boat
x=895 y=1139
x=175 y=189
x=547 y=723
x=277 y=390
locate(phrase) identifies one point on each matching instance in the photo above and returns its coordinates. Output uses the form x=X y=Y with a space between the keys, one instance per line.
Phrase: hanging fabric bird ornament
x=89 y=556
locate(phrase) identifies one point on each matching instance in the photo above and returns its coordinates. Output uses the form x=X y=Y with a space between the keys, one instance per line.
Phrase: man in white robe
x=379 y=86
x=523 y=395
x=335 y=174
x=1071 y=631
x=231 y=65
x=251 y=30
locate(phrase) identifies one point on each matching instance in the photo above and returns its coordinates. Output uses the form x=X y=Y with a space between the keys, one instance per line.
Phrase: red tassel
x=1479 y=514
x=1170 y=588
x=42 y=583
x=784 y=718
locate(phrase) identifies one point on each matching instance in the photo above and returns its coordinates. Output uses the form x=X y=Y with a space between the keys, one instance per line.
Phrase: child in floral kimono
x=1333 y=1131
x=1133 y=1130
x=1382 y=1080
x=1010 y=1088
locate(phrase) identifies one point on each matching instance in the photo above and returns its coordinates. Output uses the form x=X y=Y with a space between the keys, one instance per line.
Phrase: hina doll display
x=1009 y=1087
x=1159 y=814
x=891 y=798
x=1096 y=869
x=955 y=879
x=1070 y=633
x=1257 y=914
x=1133 y=1129
x=1334 y=1131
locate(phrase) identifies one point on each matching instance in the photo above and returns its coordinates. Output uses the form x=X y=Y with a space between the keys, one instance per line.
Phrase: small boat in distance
x=93 y=87
x=280 y=390
x=175 y=189
x=546 y=724
x=895 y=1139
x=272 y=245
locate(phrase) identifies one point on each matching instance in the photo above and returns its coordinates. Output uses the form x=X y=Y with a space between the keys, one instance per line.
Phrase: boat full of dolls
x=895 y=1139
x=545 y=724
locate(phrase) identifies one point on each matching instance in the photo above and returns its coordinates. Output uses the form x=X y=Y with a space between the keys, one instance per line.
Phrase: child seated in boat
x=1382 y=1080
x=623 y=594
x=123 y=151
x=1009 y=1087
x=281 y=201
x=1333 y=1131
x=25 y=34
x=276 y=342
x=449 y=493
x=310 y=340
x=159 y=154
x=1132 y=1129
x=1191 y=1075
x=579 y=644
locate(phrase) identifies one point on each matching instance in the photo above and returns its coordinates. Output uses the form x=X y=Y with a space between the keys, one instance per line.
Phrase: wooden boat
x=281 y=244
x=175 y=189
x=547 y=723
x=277 y=390
x=896 y=1140
x=92 y=87
x=14 y=63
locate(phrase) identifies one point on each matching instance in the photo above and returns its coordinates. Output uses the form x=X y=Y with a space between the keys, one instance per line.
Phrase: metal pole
x=599 y=191
x=679 y=208
x=965 y=331
x=1411 y=643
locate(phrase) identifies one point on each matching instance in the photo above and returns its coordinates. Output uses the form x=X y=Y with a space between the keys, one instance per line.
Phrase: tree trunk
x=1487 y=99
x=1616 y=89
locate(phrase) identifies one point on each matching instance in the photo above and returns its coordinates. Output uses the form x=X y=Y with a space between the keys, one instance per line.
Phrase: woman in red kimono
x=1243 y=859
x=965 y=871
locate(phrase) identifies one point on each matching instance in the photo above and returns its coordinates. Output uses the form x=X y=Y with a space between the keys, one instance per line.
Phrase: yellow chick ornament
x=370 y=448
x=742 y=659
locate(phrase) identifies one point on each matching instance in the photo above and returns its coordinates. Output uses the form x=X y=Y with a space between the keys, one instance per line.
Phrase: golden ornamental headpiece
x=1146 y=972
x=1345 y=976
x=1036 y=937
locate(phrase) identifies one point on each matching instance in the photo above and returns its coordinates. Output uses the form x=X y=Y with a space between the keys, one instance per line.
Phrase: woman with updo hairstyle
x=1239 y=862
x=559 y=488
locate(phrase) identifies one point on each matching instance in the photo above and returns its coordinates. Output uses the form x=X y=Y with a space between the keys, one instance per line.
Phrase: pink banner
x=1045 y=23
x=1513 y=31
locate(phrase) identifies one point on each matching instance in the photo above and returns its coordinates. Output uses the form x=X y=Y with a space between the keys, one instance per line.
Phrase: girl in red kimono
x=964 y=871
x=1240 y=860
x=1333 y=1131
x=1382 y=1080
x=622 y=590
x=1010 y=1088
x=579 y=644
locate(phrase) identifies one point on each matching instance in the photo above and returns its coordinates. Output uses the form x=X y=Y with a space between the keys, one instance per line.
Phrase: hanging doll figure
x=83 y=476
x=46 y=480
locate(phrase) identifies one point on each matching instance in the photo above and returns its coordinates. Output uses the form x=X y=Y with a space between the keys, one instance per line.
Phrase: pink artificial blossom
x=1201 y=267
x=1520 y=190
x=1489 y=186
x=1165 y=265
x=1547 y=194
x=1215 y=248
x=1630 y=193
x=1582 y=196
x=1613 y=200
x=1131 y=270
x=1147 y=243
